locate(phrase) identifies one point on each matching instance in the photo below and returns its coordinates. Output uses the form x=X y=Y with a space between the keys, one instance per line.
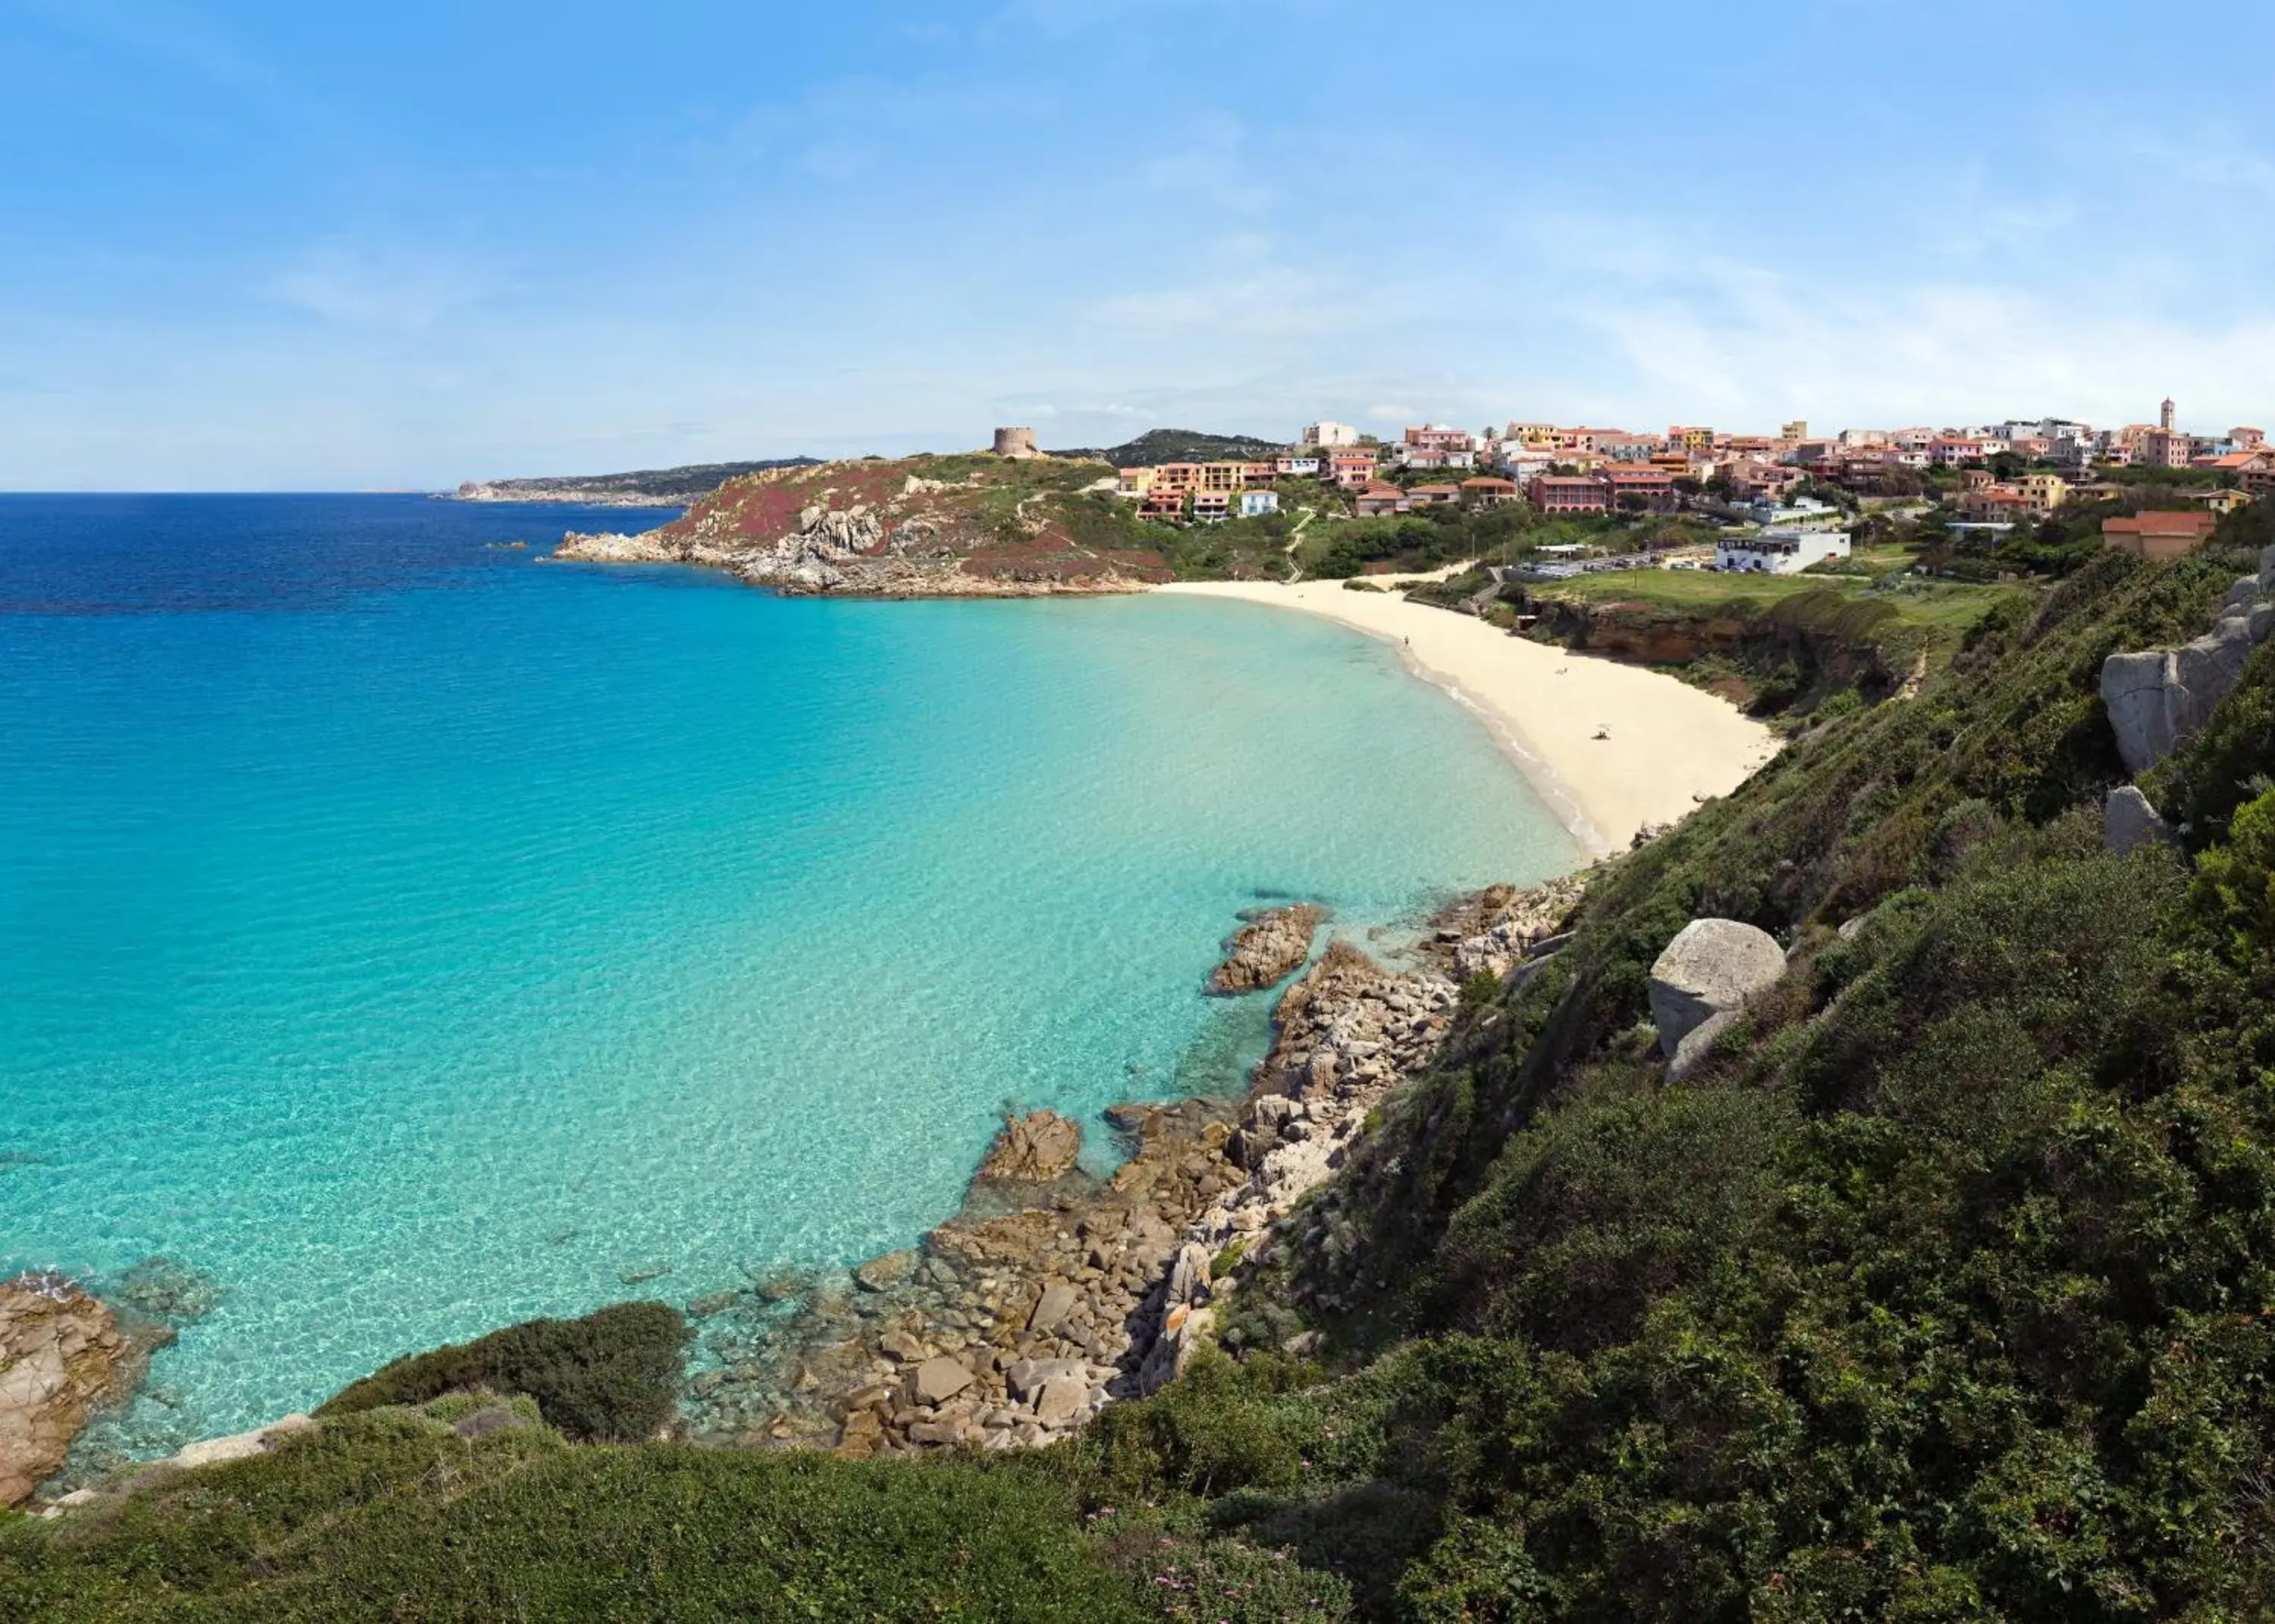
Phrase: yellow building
x=1220 y=476
x=1133 y=481
x=2042 y=492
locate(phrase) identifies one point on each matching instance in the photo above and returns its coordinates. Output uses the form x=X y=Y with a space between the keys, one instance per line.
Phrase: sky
x=263 y=245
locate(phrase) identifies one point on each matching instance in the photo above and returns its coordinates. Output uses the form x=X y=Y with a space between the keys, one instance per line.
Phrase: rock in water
x=63 y=1356
x=883 y=1273
x=2127 y=819
x=1266 y=949
x=1712 y=967
x=1033 y=1149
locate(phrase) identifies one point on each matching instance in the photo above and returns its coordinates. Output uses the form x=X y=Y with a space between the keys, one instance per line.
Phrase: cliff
x=921 y=526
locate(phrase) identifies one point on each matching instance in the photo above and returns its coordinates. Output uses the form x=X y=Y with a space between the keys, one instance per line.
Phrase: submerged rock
x=1033 y=1149
x=1266 y=949
x=1712 y=967
x=167 y=1290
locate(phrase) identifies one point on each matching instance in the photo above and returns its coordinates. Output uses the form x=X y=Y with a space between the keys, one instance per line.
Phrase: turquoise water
x=418 y=938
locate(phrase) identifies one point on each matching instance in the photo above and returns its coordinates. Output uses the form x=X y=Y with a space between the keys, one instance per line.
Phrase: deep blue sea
x=418 y=937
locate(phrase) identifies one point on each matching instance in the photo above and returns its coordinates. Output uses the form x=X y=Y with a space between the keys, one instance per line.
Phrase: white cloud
x=381 y=285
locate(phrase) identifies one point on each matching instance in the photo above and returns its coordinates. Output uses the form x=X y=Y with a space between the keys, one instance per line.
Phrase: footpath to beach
x=1611 y=747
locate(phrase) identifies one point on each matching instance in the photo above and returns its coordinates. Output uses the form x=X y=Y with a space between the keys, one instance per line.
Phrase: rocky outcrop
x=64 y=1355
x=1007 y=1329
x=1502 y=928
x=1033 y=1149
x=887 y=529
x=1708 y=973
x=2157 y=698
x=1267 y=950
x=2127 y=819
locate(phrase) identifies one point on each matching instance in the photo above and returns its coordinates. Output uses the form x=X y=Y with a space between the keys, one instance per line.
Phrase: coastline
x=1669 y=746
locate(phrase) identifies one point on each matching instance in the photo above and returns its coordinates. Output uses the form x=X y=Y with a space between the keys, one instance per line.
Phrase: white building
x=1780 y=551
x=1256 y=504
x=1802 y=513
x=1327 y=434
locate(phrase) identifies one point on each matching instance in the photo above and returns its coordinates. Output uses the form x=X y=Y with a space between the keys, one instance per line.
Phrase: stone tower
x=1015 y=443
x=2164 y=417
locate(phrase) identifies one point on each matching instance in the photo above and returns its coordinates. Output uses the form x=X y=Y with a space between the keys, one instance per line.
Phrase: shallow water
x=418 y=938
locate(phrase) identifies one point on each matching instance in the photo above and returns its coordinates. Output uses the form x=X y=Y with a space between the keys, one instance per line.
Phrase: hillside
x=1177 y=445
x=931 y=526
x=647 y=487
x=1940 y=1285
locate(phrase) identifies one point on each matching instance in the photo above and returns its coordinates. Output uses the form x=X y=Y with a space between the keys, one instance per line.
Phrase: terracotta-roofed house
x=1483 y=492
x=2158 y=535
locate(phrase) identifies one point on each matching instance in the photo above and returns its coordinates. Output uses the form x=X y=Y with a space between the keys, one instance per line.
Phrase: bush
x=392 y=1515
x=611 y=1377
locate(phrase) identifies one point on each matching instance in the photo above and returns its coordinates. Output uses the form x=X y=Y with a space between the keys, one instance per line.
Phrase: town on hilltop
x=1697 y=497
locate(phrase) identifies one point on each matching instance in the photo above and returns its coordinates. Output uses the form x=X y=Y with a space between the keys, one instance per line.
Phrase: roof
x=2160 y=525
x=1486 y=482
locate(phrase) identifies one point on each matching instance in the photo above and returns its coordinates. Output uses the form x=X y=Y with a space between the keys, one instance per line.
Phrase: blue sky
x=254 y=244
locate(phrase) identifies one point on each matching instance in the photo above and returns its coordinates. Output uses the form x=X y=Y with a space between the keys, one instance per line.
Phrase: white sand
x=1670 y=744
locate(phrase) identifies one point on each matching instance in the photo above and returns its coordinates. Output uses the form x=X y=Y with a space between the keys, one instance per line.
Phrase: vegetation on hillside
x=1945 y=1290
x=612 y=1377
x=1157 y=446
x=683 y=484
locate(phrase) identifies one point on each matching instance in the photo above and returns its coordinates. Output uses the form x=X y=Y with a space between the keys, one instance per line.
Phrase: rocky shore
x=1054 y=1294
x=64 y=1355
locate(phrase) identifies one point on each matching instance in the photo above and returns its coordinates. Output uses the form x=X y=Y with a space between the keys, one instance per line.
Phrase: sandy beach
x=1669 y=746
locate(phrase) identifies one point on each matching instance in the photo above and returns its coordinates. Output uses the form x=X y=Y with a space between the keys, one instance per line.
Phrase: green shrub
x=2235 y=888
x=392 y=1515
x=613 y=1376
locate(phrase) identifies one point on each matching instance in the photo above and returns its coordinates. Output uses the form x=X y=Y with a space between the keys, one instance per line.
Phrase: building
x=2247 y=439
x=1351 y=468
x=2044 y=492
x=1327 y=436
x=1798 y=429
x=1780 y=551
x=2158 y=535
x=1804 y=513
x=1218 y=478
x=1435 y=496
x=1376 y=500
x=2165 y=448
x=1210 y=506
x=2224 y=500
x=1015 y=443
x=1638 y=490
x=1176 y=479
x=1680 y=437
x=1565 y=493
x=1485 y=492
x=1994 y=504
x=1135 y=483
x=1169 y=506
x=1752 y=480
x=1256 y=504
x=1296 y=465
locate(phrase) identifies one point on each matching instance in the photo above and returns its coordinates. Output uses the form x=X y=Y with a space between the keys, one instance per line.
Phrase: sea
x=408 y=936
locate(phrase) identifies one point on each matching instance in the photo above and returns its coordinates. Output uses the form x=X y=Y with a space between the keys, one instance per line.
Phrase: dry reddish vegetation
x=1007 y=521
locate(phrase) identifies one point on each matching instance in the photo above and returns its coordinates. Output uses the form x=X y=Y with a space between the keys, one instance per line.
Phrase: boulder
x=1712 y=967
x=244 y=1446
x=63 y=1356
x=1062 y=1399
x=1033 y=1149
x=1266 y=949
x=1057 y=1301
x=2127 y=819
x=883 y=1273
x=941 y=1379
x=1697 y=1044
x=2157 y=698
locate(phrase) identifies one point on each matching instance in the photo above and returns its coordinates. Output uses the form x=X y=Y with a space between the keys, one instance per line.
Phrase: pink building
x=1564 y=493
